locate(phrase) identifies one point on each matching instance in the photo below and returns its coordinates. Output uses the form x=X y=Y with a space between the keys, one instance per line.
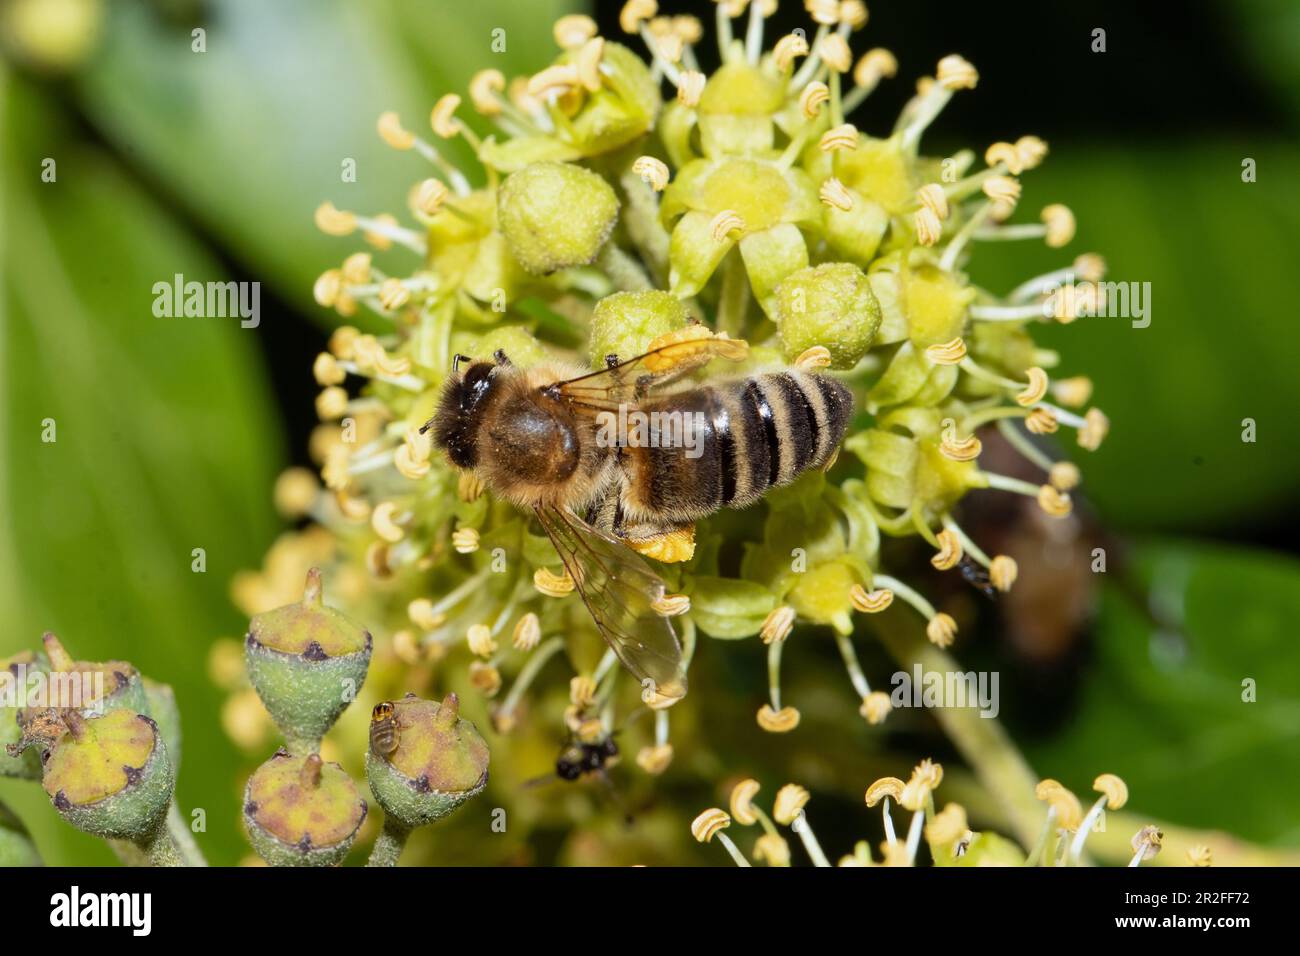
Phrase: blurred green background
x=170 y=431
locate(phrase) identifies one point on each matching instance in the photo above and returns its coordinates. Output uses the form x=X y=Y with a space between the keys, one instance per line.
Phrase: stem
x=389 y=844
x=184 y=837
x=640 y=216
x=982 y=741
x=160 y=848
x=301 y=746
x=624 y=272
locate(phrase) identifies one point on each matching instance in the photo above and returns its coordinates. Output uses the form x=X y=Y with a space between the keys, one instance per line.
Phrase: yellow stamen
x=778 y=624
x=1041 y=421
x=527 y=633
x=479 y=639
x=725 y=223
x=870 y=602
x=949 y=551
x=1093 y=433
x=948 y=353
x=1003 y=571
x=335 y=222
x=844 y=136
x=882 y=788
x=1035 y=390
x=690 y=86
x=392 y=133
x=485 y=89
x=812 y=98
x=742 y=802
x=778 y=721
x=653 y=172
x=941 y=630
x=1060 y=225
x=790 y=800
x=465 y=540
x=833 y=193
x=443 y=116
x=552 y=584
x=956 y=73
x=572 y=31
x=707 y=824
x=876 y=707
x=1055 y=503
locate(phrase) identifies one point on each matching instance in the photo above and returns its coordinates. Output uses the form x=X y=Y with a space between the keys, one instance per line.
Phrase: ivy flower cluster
x=617 y=196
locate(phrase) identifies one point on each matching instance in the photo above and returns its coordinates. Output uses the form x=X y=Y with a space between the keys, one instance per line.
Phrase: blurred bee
x=538 y=438
x=384 y=734
x=579 y=758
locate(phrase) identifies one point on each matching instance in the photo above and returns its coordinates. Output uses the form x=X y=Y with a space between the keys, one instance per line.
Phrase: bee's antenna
x=612 y=794
x=455 y=362
x=426 y=426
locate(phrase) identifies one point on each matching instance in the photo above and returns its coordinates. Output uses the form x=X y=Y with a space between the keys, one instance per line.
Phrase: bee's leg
x=669 y=545
x=499 y=356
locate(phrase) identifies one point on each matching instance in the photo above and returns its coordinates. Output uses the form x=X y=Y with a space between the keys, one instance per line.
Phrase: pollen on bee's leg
x=671 y=547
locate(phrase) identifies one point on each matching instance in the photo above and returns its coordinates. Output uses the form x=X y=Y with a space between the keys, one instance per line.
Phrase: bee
x=384 y=734
x=534 y=437
x=579 y=758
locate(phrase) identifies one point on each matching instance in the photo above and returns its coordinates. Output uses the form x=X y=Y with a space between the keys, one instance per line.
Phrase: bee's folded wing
x=620 y=590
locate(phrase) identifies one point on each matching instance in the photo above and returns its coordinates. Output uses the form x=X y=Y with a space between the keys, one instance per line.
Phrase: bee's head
x=460 y=408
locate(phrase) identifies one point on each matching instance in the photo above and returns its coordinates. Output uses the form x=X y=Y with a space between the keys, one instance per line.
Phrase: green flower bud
x=555 y=215
x=515 y=340
x=438 y=763
x=16 y=846
x=110 y=775
x=307 y=663
x=625 y=323
x=301 y=811
x=830 y=305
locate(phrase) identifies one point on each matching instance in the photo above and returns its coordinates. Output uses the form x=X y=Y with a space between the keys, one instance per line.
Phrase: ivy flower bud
x=830 y=305
x=625 y=323
x=555 y=215
x=301 y=811
x=307 y=662
x=110 y=775
x=440 y=762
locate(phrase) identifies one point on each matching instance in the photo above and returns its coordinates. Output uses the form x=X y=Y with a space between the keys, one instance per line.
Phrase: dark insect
x=977 y=577
x=577 y=758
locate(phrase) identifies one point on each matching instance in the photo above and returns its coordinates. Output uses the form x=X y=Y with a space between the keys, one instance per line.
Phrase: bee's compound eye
x=382 y=711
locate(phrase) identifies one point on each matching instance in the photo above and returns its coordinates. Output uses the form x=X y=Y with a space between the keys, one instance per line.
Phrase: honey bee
x=534 y=437
x=384 y=733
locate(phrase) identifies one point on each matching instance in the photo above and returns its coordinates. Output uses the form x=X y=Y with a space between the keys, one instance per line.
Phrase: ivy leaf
x=164 y=442
x=1192 y=717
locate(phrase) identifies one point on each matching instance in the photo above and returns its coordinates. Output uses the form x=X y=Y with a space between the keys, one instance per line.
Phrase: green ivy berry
x=16 y=846
x=301 y=811
x=555 y=215
x=440 y=761
x=110 y=775
x=625 y=323
x=307 y=663
x=830 y=305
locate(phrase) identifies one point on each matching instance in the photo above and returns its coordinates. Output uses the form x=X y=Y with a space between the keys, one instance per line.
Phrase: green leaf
x=251 y=136
x=1220 y=257
x=165 y=442
x=1165 y=710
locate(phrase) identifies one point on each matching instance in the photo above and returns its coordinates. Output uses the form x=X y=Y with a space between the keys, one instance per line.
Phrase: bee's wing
x=620 y=589
x=632 y=379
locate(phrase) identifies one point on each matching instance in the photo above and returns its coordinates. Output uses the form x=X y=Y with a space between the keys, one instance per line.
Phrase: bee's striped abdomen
x=757 y=433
